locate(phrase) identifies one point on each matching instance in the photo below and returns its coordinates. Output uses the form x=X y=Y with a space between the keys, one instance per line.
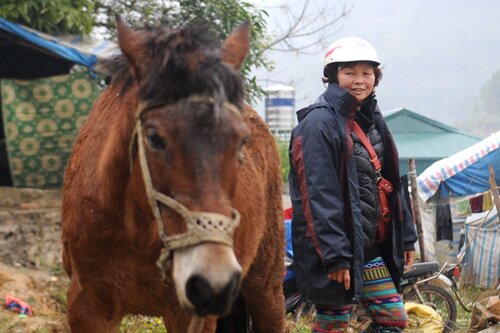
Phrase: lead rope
x=196 y=324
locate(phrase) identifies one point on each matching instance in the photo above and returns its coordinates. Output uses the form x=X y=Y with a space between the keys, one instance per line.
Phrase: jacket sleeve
x=316 y=155
x=409 y=231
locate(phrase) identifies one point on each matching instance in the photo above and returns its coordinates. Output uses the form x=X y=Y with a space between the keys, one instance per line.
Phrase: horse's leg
x=266 y=306
x=263 y=285
x=262 y=288
x=85 y=316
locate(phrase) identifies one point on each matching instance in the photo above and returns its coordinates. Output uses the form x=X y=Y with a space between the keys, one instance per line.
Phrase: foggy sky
x=436 y=54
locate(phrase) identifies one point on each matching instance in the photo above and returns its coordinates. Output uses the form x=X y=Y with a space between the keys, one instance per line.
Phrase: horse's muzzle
x=209 y=301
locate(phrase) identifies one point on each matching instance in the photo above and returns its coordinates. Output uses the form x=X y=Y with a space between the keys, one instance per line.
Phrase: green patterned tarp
x=41 y=121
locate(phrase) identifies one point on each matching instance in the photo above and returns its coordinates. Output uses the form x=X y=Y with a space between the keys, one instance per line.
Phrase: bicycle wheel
x=440 y=300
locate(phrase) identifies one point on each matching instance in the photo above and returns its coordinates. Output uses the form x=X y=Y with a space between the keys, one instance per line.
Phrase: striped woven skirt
x=380 y=298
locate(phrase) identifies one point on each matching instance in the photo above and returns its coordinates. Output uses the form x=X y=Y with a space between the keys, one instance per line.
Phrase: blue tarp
x=85 y=52
x=288 y=238
x=465 y=173
x=461 y=176
x=474 y=178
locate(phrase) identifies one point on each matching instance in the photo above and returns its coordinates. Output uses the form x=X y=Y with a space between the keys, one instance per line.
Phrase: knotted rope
x=201 y=226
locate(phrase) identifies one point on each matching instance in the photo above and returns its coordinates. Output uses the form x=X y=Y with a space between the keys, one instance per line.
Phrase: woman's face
x=359 y=80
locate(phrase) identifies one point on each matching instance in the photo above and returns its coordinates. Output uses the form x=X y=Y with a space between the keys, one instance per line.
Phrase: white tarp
x=481 y=249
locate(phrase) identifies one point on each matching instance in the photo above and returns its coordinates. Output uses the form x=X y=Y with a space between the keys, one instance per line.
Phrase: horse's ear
x=132 y=45
x=235 y=47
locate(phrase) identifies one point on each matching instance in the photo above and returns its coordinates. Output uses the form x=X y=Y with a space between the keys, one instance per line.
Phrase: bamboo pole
x=494 y=188
x=412 y=173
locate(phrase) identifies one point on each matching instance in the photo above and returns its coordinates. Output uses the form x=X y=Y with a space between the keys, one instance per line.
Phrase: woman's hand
x=409 y=258
x=342 y=275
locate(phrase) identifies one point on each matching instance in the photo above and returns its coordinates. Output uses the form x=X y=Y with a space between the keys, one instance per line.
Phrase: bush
x=285 y=163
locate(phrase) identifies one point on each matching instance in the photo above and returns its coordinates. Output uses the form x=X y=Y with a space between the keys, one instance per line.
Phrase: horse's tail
x=237 y=321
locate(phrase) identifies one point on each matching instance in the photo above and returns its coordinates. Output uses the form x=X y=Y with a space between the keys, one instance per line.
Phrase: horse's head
x=190 y=135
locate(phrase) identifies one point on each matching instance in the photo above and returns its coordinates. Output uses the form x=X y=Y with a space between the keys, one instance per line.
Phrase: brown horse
x=172 y=196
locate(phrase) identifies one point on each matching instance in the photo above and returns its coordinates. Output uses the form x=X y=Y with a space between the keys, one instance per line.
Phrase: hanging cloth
x=463 y=208
x=444 y=222
x=487 y=201
x=476 y=204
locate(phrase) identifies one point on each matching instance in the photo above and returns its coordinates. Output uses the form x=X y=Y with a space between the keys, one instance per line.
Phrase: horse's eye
x=241 y=153
x=241 y=156
x=245 y=140
x=155 y=141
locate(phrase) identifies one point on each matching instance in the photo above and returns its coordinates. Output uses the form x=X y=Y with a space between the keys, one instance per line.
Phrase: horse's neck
x=114 y=158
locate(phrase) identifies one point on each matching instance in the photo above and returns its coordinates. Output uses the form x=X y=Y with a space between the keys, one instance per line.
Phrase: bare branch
x=304 y=26
x=291 y=29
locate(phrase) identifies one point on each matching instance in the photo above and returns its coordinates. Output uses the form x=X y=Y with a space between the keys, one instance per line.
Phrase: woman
x=350 y=240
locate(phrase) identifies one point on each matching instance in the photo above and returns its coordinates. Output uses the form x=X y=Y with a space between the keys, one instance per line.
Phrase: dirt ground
x=30 y=265
x=44 y=291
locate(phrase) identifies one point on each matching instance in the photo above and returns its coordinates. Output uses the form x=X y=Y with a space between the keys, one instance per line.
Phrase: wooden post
x=494 y=188
x=412 y=173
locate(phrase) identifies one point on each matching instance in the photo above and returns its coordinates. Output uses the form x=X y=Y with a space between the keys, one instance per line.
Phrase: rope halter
x=201 y=226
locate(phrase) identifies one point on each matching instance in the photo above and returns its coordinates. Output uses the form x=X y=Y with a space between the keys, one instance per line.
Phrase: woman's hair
x=331 y=70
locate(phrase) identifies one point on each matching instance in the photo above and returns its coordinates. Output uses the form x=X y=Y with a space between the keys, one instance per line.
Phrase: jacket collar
x=334 y=96
x=340 y=99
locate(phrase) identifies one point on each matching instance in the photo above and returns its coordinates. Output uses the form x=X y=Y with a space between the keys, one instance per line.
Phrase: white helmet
x=351 y=49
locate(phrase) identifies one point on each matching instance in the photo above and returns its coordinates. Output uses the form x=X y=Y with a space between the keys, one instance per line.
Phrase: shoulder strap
x=366 y=142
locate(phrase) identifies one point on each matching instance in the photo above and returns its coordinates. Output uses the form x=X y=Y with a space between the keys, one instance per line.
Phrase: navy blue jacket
x=326 y=227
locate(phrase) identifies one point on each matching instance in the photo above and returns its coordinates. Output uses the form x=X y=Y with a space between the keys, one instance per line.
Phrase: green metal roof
x=420 y=164
x=420 y=137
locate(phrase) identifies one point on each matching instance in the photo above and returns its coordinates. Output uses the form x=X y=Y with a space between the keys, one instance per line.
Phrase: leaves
x=80 y=17
x=221 y=16
x=285 y=164
x=56 y=17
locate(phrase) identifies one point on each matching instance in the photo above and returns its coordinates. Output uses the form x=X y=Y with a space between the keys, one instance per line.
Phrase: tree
x=485 y=117
x=285 y=165
x=55 y=17
x=309 y=25
x=81 y=17
x=221 y=16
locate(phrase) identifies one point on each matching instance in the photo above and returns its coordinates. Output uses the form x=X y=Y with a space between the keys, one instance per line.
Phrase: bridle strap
x=146 y=176
x=202 y=226
x=147 y=105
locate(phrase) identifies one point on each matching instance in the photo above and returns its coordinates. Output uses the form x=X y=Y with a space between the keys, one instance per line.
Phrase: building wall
x=280 y=110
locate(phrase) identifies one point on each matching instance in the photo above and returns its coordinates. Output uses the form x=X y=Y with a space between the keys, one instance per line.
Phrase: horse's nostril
x=208 y=301
x=230 y=292
x=199 y=291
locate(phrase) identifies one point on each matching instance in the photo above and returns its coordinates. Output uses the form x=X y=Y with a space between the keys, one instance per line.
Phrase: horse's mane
x=169 y=78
